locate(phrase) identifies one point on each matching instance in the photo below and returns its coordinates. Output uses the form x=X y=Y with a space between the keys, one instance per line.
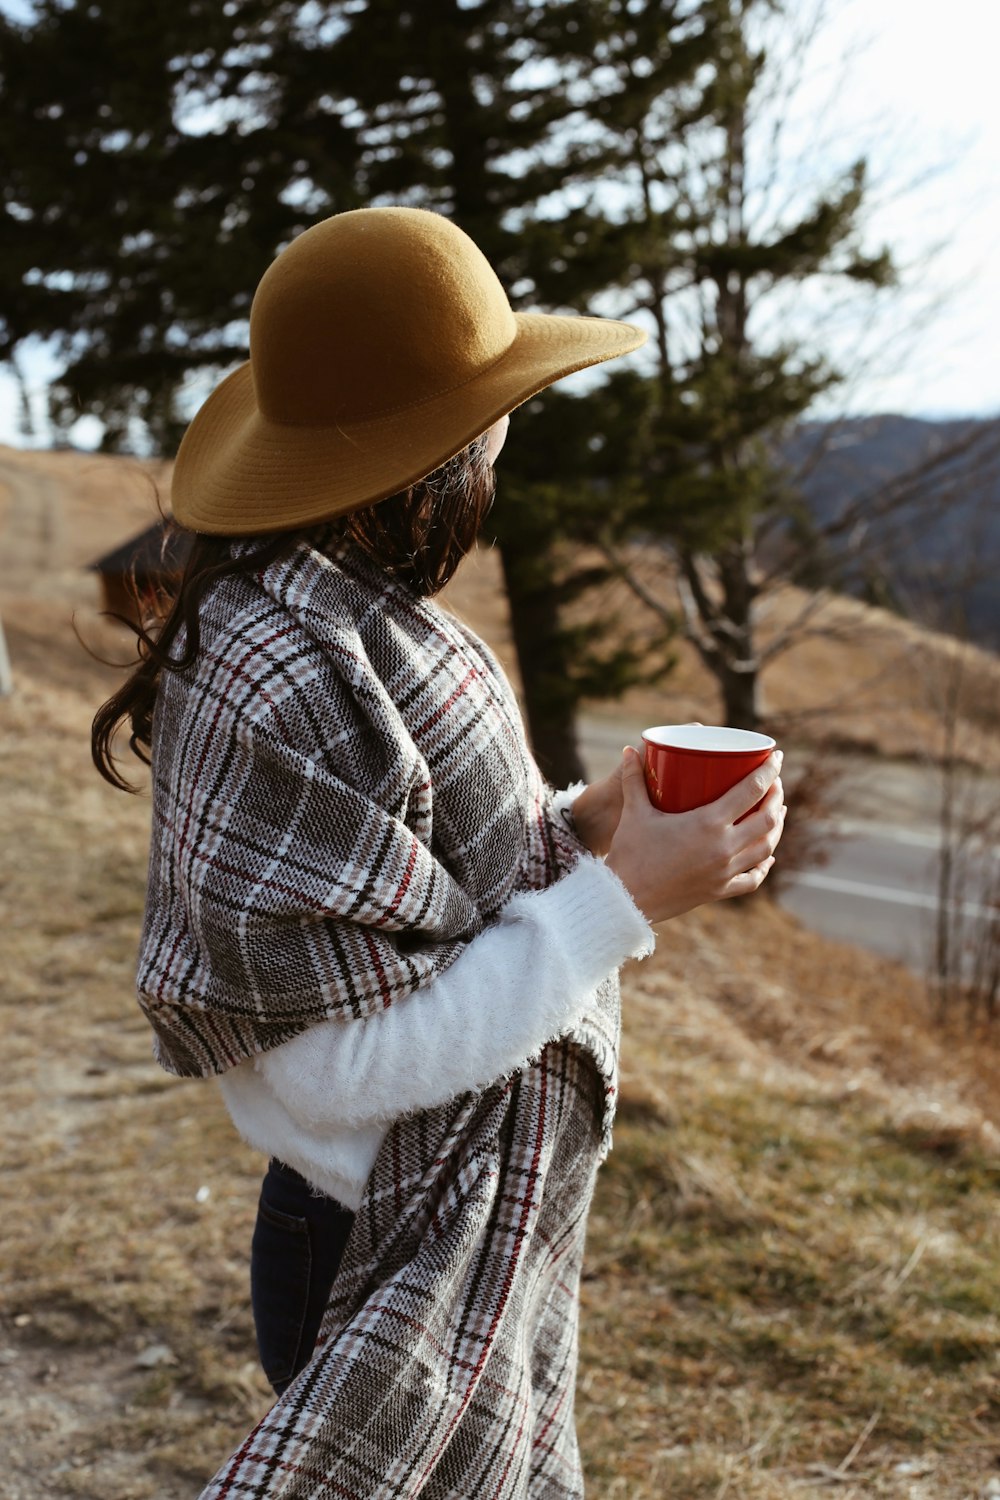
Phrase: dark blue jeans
x=298 y=1242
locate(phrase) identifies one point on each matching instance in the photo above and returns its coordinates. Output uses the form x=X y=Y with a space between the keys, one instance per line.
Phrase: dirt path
x=51 y=1404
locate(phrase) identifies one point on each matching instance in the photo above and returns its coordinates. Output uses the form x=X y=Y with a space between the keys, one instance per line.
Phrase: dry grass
x=793 y=1260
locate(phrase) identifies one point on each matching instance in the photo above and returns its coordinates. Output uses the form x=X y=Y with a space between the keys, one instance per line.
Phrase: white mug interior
x=716 y=738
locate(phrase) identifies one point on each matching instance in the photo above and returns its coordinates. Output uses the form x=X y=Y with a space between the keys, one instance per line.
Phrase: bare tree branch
x=918 y=491
x=797 y=629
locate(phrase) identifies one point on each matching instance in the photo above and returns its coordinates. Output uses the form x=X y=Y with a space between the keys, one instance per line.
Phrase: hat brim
x=238 y=474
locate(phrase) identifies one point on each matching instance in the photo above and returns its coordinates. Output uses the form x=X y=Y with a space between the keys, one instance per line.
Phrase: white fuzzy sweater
x=323 y=1101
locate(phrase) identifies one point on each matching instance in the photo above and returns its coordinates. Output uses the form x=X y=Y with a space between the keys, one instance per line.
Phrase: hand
x=673 y=862
x=596 y=811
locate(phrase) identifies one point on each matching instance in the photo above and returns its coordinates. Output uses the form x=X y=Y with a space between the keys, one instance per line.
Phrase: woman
x=367 y=913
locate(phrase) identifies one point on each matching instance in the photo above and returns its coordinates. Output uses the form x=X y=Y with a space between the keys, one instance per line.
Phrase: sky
x=913 y=87
x=919 y=99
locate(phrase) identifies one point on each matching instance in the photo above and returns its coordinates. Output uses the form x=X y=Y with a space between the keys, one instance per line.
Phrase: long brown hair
x=418 y=536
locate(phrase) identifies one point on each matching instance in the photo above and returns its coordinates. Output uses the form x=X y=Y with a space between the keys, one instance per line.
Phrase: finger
x=633 y=778
x=767 y=826
x=749 y=881
x=760 y=850
x=748 y=792
x=758 y=824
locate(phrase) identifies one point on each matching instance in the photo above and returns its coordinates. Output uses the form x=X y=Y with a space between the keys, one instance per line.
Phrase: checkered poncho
x=342 y=798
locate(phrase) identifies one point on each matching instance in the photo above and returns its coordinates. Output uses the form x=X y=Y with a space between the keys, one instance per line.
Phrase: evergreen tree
x=740 y=396
x=170 y=151
x=483 y=111
x=622 y=65
x=596 y=149
x=696 y=441
x=177 y=149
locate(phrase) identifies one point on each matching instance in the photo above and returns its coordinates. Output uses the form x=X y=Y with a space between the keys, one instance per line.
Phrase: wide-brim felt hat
x=381 y=344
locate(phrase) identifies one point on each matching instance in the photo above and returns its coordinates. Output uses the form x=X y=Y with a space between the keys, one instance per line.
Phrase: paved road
x=880 y=889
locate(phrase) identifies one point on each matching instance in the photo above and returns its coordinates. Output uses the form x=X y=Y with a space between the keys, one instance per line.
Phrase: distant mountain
x=915 y=511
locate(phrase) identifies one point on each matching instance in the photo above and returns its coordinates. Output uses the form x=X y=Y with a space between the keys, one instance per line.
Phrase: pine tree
x=596 y=149
x=696 y=441
x=622 y=65
x=485 y=112
x=170 y=151
x=259 y=116
x=744 y=397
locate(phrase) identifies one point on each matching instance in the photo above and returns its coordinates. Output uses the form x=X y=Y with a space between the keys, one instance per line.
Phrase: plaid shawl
x=342 y=798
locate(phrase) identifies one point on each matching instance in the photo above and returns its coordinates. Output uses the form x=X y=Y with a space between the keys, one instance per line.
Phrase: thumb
x=633 y=779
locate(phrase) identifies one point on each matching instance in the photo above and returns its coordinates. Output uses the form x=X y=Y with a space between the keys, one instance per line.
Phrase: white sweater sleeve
x=516 y=986
x=560 y=804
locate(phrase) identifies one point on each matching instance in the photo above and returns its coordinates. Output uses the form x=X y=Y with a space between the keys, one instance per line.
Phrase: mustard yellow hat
x=381 y=344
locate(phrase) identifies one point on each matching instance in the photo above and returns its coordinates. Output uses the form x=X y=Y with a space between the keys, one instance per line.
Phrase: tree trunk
x=549 y=704
x=720 y=622
x=739 y=675
x=740 y=698
x=550 y=709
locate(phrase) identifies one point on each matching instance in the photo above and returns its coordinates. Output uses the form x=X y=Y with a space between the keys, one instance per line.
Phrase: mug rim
x=749 y=741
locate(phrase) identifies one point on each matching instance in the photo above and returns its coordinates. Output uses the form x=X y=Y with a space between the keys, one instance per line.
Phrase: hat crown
x=373 y=311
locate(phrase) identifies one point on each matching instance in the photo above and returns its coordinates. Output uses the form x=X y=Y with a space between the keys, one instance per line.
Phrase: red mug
x=688 y=765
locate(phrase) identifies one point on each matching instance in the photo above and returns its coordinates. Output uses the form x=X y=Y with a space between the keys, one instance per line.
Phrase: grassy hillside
x=791 y=1287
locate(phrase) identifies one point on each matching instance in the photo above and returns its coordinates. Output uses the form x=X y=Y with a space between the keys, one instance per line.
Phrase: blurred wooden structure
x=138 y=572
